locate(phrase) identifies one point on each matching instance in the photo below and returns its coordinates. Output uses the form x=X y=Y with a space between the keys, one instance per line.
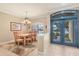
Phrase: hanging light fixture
x=26 y=20
x=27 y=24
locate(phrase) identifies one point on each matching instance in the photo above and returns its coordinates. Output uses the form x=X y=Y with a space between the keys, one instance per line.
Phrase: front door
x=62 y=32
x=56 y=31
x=68 y=38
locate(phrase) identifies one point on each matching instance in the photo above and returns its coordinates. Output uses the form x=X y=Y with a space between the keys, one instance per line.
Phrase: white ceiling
x=33 y=9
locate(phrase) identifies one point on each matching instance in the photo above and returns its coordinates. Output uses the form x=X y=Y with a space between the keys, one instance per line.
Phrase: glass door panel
x=56 y=31
x=62 y=32
x=68 y=31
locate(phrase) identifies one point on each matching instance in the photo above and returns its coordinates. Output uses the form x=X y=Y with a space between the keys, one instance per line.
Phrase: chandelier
x=26 y=20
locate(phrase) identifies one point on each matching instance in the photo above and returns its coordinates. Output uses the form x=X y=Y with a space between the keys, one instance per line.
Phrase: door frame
x=62 y=26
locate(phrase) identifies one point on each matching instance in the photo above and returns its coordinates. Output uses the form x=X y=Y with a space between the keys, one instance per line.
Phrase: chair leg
x=31 y=41
x=18 y=44
x=26 y=42
x=15 y=43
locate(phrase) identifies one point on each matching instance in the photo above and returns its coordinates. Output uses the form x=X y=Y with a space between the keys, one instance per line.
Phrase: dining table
x=24 y=36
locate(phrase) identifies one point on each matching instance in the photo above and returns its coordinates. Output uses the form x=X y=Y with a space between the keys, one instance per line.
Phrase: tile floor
x=49 y=50
x=55 y=49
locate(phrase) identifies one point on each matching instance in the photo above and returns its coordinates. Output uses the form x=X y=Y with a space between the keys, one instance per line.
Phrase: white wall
x=5 y=33
x=44 y=20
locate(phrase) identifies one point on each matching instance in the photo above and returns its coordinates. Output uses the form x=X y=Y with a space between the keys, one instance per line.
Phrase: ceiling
x=32 y=9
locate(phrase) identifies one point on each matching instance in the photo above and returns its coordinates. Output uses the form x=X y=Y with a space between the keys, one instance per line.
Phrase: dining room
x=24 y=39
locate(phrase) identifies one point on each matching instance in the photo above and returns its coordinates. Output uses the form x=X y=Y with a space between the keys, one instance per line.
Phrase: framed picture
x=14 y=26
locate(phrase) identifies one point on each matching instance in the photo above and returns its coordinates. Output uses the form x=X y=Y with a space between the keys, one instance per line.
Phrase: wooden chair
x=29 y=39
x=18 y=39
x=33 y=36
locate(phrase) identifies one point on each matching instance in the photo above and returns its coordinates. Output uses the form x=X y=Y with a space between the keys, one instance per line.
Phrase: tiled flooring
x=55 y=49
x=49 y=50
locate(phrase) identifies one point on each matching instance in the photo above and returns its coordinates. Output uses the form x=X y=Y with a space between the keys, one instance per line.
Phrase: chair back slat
x=16 y=35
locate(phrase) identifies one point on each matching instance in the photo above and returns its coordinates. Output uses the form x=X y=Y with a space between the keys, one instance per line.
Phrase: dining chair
x=18 y=39
x=33 y=36
x=29 y=39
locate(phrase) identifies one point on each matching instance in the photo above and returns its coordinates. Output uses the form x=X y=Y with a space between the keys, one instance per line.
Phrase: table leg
x=24 y=41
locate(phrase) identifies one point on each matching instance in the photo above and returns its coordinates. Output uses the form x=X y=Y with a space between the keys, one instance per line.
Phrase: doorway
x=64 y=27
x=63 y=32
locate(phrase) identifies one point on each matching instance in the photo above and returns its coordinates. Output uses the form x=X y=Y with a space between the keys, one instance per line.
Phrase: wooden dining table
x=24 y=36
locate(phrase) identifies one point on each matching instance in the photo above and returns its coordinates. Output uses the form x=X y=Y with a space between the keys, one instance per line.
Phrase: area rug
x=20 y=50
